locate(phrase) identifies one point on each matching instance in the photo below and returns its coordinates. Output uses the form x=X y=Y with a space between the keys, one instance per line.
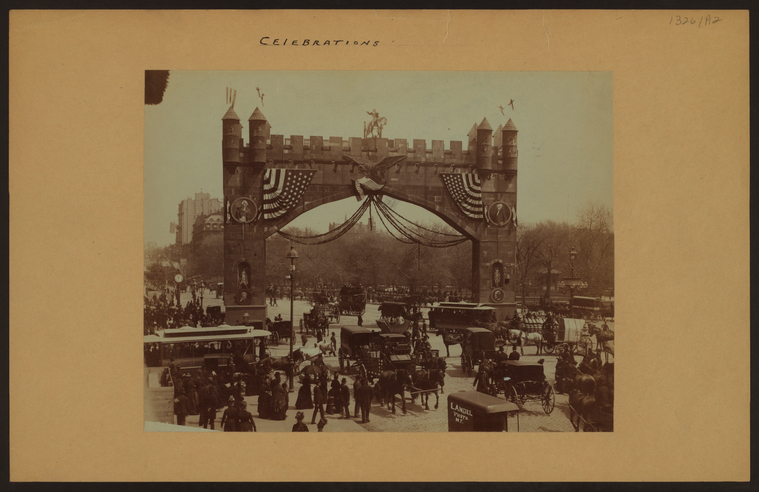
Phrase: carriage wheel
x=549 y=400
x=512 y=394
x=549 y=347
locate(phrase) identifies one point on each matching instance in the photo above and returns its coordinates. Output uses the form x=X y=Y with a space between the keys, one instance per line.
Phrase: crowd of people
x=162 y=311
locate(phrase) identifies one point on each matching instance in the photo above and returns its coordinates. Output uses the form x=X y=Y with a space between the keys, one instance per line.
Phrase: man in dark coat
x=345 y=392
x=514 y=355
x=319 y=399
x=229 y=419
x=364 y=397
x=180 y=407
x=211 y=395
x=356 y=387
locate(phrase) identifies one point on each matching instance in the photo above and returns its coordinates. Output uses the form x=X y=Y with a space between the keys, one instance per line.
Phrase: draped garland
x=402 y=229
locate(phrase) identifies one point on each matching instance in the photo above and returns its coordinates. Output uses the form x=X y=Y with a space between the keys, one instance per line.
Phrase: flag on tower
x=283 y=189
x=466 y=191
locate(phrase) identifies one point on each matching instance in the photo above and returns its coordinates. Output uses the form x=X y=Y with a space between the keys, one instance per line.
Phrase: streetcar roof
x=466 y=307
x=359 y=329
x=477 y=329
x=217 y=334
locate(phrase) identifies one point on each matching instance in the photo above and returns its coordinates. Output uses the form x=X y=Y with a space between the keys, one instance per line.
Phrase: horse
x=604 y=337
x=450 y=337
x=284 y=363
x=428 y=381
x=581 y=406
x=517 y=337
x=394 y=383
x=377 y=125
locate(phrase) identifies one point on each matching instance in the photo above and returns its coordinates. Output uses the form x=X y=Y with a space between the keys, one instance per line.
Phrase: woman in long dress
x=279 y=397
x=304 y=400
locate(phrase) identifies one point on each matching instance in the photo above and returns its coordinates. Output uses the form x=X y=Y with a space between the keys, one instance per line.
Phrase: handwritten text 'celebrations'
x=268 y=41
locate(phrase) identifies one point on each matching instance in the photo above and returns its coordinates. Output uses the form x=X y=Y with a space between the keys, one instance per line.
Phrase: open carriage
x=521 y=382
x=396 y=317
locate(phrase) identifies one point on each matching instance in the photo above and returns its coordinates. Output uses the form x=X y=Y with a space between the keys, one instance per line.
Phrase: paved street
x=532 y=418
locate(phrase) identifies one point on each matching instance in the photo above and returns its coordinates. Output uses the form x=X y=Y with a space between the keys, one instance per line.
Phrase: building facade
x=188 y=212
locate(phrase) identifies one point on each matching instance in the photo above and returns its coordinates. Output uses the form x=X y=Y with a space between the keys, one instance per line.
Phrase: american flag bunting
x=465 y=189
x=283 y=189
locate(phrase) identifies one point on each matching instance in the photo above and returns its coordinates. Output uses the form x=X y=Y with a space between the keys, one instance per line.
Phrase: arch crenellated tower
x=271 y=181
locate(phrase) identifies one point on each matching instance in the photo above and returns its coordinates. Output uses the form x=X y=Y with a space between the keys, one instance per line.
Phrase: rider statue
x=375 y=124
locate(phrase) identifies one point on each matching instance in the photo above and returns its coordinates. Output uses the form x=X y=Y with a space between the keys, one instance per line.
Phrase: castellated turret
x=509 y=142
x=258 y=129
x=484 y=146
x=231 y=143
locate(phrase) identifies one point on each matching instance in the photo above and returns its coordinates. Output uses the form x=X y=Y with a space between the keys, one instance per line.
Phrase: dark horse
x=427 y=381
x=394 y=383
x=450 y=337
x=582 y=400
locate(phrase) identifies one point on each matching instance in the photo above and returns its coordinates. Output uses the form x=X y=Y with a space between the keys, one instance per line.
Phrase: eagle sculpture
x=375 y=171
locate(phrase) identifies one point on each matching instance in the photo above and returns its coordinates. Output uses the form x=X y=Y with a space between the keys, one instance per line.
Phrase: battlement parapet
x=297 y=148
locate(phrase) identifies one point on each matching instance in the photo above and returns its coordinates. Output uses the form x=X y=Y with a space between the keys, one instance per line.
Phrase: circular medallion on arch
x=498 y=213
x=497 y=295
x=244 y=210
x=244 y=297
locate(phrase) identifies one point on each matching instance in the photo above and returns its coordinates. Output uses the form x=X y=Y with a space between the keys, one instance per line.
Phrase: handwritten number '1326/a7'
x=691 y=21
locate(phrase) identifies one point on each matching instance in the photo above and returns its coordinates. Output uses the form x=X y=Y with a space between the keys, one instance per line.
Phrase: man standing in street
x=356 y=386
x=364 y=398
x=180 y=407
x=209 y=404
x=319 y=399
x=345 y=393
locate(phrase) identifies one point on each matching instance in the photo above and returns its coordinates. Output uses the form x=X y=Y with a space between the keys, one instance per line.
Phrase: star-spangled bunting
x=369 y=183
x=283 y=189
x=465 y=190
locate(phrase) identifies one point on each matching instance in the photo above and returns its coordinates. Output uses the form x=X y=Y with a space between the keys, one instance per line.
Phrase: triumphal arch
x=270 y=181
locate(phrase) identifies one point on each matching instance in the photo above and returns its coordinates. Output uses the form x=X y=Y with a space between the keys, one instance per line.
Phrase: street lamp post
x=572 y=281
x=292 y=255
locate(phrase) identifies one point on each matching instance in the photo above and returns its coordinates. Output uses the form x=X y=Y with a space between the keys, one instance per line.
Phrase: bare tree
x=594 y=239
x=527 y=253
x=554 y=244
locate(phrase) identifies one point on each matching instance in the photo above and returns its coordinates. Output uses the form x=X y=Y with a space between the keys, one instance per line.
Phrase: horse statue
x=374 y=128
x=427 y=381
x=394 y=383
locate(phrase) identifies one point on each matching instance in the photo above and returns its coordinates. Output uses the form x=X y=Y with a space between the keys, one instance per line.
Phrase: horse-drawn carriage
x=521 y=382
x=316 y=320
x=477 y=346
x=279 y=330
x=373 y=352
x=352 y=300
x=397 y=317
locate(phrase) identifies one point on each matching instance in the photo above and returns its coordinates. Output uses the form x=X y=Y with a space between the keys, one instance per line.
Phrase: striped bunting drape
x=465 y=190
x=283 y=189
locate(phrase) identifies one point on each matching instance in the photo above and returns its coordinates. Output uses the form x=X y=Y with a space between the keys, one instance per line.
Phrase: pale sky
x=564 y=121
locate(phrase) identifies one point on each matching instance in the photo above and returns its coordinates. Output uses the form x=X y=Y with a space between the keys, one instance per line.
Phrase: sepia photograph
x=349 y=251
